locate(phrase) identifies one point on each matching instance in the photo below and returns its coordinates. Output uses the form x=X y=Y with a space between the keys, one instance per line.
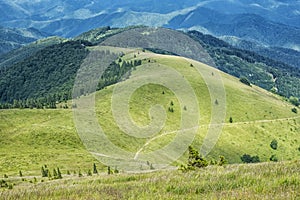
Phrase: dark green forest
x=46 y=73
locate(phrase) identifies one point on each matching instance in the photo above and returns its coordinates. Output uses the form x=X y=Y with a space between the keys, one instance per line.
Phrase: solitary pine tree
x=95 y=171
x=59 y=176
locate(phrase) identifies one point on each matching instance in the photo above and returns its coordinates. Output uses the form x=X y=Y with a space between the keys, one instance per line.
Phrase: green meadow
x=32 y=138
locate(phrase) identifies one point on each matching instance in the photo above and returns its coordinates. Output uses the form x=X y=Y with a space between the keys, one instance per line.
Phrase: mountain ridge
x=267 y=73
x=13 y=38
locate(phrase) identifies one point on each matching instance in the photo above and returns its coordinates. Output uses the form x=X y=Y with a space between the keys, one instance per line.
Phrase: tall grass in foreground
x=253 y=181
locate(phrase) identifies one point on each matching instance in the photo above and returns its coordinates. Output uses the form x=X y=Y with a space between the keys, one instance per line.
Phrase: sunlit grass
x=253 y=181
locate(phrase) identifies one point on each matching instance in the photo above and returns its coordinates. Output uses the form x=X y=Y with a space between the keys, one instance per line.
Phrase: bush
x=294 y=110
x=89 y=173
x=222 y=161
x=79 y=173
x=195 y=160
x=95 y=171
x=273 y=158
x=3 y=183
x=294 y=100
x=274 y=144
x=245 y=81
x=246 y=158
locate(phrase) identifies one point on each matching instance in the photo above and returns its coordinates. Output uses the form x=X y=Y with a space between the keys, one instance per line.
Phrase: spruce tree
x=95 y=171
x=59 y=176
x=54 y=174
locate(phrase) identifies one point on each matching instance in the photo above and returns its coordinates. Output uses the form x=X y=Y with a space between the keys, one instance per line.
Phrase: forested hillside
x=269 y=74
x=12 y=38
x=48 y=72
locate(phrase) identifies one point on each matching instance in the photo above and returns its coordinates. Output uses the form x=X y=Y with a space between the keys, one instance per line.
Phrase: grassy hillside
x=53 y=62
x=258 y=116
x=31 y=138
x=257 y=181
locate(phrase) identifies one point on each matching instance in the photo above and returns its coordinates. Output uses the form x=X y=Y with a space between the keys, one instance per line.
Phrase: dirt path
x=223 y=124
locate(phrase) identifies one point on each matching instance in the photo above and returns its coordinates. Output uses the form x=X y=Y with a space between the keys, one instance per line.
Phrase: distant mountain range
x=69 y=18
x=13 y=38
x=266 y=22
x=268 y=27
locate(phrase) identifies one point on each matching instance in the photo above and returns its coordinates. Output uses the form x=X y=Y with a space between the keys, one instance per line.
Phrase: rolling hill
x=39 y=63
x=31 y=138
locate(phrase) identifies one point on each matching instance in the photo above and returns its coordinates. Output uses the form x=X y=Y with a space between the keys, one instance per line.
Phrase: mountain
x=267 y=73
x=69 y=18
x=17 y=55
x=246 y=26
x=285 y=55
x=47 y=71
x=12 y=38
x=49 y=136
x=274 y=24
x=47 y=68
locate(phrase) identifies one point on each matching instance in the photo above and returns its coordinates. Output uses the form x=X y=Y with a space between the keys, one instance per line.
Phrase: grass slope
x=256 y=181
x=258 y=116
x=32 y=138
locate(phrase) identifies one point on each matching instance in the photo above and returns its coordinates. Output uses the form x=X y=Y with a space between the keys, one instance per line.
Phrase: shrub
x=222 y=161
x=245 y=81
x=255 y=159
x=273 y=158
x=45 y=171
x=216 y=102
x=274 y=144
x=89 y=173
x=116 y=171
x=294 y=110
x=3 y=183
x=59 y=176
x=95 y=171
x=79 y=173
x=246 y=158
x=171 y=104
x=195 y=160
x=109 y=171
